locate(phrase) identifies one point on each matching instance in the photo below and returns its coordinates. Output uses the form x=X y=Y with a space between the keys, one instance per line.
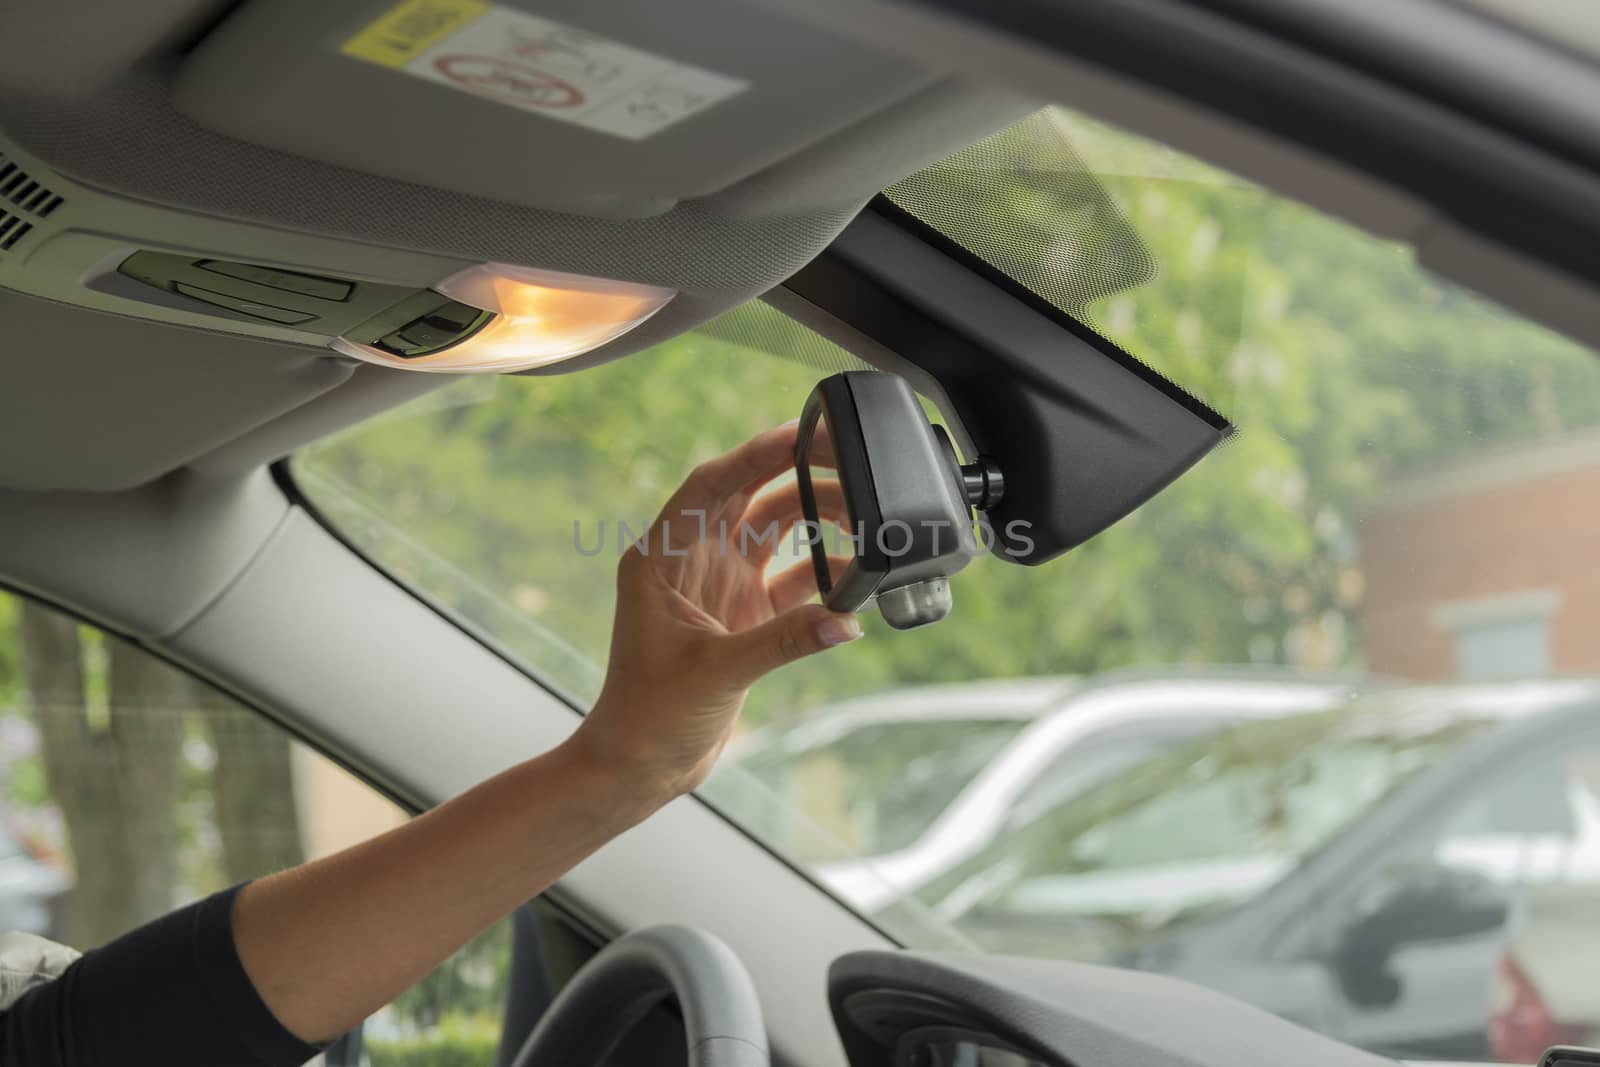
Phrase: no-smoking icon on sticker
x=513 y=82
x=539 y=66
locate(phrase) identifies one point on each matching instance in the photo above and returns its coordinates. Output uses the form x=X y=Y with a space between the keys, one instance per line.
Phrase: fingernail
x=838 y=630
x=792 y=422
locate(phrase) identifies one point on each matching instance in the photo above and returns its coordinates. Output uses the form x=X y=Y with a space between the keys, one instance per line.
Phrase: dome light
x=495 y=318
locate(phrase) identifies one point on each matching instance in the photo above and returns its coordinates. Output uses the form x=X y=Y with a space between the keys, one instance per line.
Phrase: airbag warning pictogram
x=539 y=65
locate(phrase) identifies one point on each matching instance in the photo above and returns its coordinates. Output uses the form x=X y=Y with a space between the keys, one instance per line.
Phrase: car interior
x=343 y=348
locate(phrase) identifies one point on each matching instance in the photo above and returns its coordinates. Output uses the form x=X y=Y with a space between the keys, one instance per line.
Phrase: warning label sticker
x=540 y=65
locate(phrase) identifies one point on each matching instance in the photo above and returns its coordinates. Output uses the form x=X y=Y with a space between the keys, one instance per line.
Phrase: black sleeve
x=171 y=992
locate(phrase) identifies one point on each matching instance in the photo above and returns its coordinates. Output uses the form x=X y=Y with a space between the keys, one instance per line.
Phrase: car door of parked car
x=1488 y=843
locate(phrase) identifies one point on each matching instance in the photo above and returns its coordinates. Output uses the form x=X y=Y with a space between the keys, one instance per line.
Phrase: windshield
x=1409 y=499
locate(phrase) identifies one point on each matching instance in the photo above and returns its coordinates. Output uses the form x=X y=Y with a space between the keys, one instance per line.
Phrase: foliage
x=459 y=1040
x=10 y=669
x=470 y=983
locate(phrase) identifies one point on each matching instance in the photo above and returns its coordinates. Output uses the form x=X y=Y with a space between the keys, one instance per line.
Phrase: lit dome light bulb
x=540 y=317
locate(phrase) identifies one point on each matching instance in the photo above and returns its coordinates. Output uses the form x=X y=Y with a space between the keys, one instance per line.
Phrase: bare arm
x=328 y=943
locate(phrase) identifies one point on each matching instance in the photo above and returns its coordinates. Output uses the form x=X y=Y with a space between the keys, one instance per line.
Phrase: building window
x=1501 y=637
x=1508 y=648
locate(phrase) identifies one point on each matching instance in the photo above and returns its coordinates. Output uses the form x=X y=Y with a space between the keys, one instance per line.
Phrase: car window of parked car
x=1530 y=820
x=131 y=788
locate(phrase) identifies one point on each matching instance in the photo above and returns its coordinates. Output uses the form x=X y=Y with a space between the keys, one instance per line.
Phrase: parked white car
x=883 y=794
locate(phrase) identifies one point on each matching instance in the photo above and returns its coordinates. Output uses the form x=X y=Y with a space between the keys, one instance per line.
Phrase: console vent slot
x=22 y=199
x=13 y=228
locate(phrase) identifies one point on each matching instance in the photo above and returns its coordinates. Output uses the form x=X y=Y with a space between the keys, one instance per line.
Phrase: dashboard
x=909 y=1009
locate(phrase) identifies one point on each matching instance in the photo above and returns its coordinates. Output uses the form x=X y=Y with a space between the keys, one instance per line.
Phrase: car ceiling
x=1422 y=121
x=91 y=398
x=237 y=130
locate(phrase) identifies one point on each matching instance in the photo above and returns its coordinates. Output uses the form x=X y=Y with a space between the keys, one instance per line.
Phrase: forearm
x=328 y=943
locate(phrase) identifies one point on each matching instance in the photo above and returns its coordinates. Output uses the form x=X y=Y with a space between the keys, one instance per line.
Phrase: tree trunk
x=115 y=780
x=254 y=788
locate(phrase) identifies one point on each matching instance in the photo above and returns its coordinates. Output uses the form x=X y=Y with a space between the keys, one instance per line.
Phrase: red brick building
x=1489 y=569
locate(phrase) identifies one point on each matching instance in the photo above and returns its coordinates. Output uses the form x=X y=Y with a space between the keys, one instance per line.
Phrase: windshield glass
x=1410 y=499
x=1569 y=23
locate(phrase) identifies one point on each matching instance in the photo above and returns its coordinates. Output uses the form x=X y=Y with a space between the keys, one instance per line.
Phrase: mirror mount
x=1084 y=432
x=984 y=483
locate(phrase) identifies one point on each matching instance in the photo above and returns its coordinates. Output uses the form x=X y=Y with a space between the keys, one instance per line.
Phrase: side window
x=1532 y=822
x=1526 y=826
x=128 y=788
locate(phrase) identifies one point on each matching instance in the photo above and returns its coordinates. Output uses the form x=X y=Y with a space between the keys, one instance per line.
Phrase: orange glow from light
x=542 y=317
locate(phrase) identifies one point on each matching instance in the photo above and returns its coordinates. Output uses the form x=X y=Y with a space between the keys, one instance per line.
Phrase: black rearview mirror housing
x=869 y=461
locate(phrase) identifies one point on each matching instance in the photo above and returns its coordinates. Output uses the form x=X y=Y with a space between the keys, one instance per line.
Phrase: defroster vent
x=23 y=199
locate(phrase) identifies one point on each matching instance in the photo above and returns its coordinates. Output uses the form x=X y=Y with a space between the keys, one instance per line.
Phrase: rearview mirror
x=1433 y=904
x=872 y=466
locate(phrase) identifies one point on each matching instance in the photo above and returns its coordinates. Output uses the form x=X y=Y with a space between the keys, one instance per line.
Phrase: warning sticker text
x=539 y=65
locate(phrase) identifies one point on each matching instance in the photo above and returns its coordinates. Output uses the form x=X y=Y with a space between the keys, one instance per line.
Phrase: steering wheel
x=633 y=974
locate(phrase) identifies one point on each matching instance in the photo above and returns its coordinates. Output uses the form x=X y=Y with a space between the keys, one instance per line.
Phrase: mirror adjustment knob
x=909 y=606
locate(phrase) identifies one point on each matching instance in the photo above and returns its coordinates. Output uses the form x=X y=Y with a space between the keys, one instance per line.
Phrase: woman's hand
x=698 y=622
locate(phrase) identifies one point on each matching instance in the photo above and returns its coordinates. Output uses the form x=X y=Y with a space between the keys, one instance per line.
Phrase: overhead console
x=491 y=318
x=249 y=292
x=79 y=245
x=708 y=149
x=269 y=177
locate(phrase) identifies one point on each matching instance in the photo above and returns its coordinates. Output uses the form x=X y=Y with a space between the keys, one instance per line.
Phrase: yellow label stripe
x=410 y=28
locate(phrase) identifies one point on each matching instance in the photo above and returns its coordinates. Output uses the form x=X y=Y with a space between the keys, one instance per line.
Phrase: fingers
x=781 y=508
x=721 y=486
x=795 y=585
x=795 y=634
x=741 y=471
